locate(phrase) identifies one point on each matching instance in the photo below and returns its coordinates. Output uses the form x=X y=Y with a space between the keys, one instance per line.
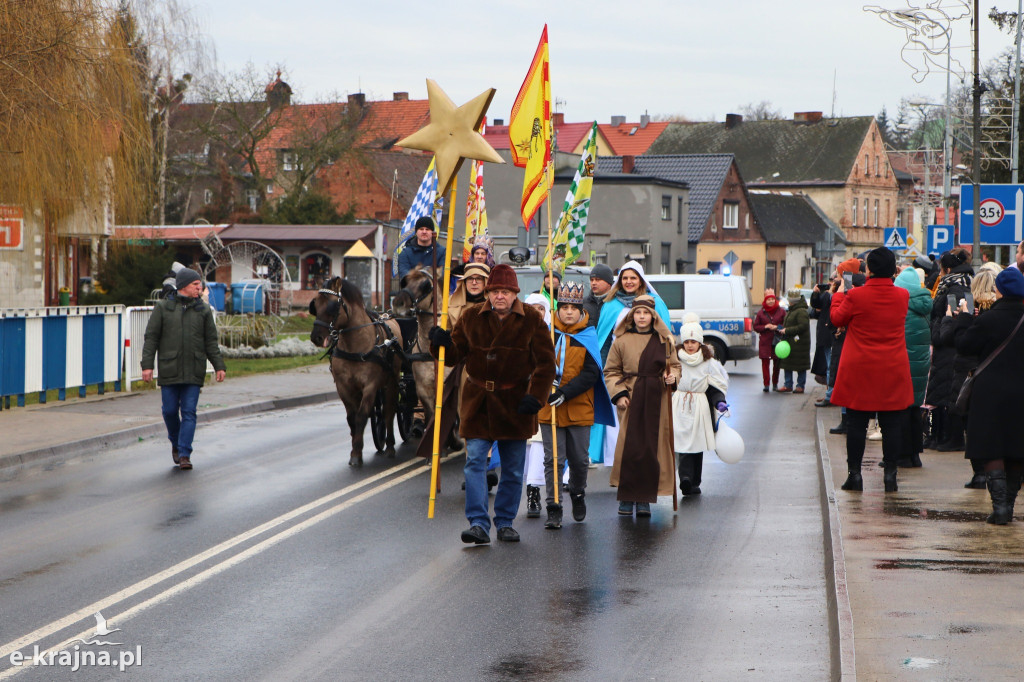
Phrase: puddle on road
x=908 y=509
x=536 y=667
x=919 y=663
x=971 y=566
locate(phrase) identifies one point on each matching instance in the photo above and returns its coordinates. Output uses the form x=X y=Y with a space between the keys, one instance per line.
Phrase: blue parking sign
x=1001 y=214
x=940 y=238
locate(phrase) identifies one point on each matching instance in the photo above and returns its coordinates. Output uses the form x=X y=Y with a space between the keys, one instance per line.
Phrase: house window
x=876 y=213
x=730 y=215
x=290 y=161
x=867 y=215
x=876 y=166
x=252 y=197
x=747 y=270
x=899 y=218
x=715 y=266
x=666 y=255
x=316 y=269
x=866 y=168
x=769 y=275
x=666 y=207
x=270 y=188
x=886 y=217
x=679 y=216
x=207 y=196
x=853 y=218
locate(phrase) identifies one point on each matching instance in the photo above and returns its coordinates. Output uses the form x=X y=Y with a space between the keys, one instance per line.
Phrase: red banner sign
x=12 y=228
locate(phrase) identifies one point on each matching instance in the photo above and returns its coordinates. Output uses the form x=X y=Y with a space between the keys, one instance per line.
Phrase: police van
x=723 y=303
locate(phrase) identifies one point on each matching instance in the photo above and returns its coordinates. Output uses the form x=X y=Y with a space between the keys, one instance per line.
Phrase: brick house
x=841 y=163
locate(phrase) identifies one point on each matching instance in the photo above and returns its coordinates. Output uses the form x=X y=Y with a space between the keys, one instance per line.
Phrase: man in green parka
x=181 y=336
x=796 y=329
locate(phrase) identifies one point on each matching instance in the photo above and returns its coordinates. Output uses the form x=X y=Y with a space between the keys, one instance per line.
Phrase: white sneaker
x=874 y=433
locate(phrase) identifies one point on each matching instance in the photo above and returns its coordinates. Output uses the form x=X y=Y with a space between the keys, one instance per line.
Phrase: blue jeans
x=801 y=378
x=512 y=454
x=179 y=409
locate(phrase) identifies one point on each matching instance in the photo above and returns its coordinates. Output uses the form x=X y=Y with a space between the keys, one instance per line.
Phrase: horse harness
x=382 y=353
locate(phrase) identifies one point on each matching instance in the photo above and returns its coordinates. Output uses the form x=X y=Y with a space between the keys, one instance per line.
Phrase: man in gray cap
x=601 y=280
x=181 y=336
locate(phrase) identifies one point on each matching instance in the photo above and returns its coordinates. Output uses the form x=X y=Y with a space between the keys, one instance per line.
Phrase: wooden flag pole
x=435 y=460
x=551 y=299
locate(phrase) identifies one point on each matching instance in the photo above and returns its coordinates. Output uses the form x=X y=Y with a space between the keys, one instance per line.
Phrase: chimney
x=618 y=120
x=558 y=119
x=499 y=122
x=357 y=99
x=279 y=93
x=807 y=117
x=644 y=120
x=628 y=162
x=733 y=121
x=401 y=96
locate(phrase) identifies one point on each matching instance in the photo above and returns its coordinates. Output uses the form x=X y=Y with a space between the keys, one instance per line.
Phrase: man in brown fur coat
x=510 y=367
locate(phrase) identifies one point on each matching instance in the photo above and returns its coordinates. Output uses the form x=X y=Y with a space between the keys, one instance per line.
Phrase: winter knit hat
x=881 y=262
x=691 y=329
x=185 y=277
x=475 y=270
x=603 y=273
x=1010 y=282
x=851 y=266
x=426 y=221
x=503 y=277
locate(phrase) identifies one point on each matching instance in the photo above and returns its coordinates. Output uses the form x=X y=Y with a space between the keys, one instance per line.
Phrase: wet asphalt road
x=274 y=560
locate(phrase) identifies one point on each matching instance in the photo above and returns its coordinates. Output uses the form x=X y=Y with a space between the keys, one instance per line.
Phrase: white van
x=723 y=303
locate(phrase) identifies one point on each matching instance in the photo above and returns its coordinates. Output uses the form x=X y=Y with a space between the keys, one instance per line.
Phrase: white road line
x=191 y=562
x=210 y=572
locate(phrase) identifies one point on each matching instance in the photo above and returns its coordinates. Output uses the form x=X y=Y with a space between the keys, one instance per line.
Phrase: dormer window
x=290 y=161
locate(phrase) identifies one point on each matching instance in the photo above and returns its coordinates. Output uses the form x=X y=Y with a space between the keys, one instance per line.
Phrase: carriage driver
x=510 y=366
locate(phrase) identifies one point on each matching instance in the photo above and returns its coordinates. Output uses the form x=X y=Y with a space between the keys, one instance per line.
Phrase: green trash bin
x=64 y=296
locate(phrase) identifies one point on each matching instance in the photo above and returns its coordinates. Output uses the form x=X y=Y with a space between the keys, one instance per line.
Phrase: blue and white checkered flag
x=420 y=207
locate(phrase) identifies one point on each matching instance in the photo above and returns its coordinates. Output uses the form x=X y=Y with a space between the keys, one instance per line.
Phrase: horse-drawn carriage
x=378 y=375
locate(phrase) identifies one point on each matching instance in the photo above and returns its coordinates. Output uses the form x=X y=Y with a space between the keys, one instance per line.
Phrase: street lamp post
x=976 y=155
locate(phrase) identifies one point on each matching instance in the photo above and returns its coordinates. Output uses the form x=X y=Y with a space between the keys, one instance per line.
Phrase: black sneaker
x=508 y=534
x=532 y=502
x=579 y=506
x=554 y=521
x=477 y=536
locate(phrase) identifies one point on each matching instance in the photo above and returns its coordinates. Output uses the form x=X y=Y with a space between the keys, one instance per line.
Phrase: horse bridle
x=416 y=301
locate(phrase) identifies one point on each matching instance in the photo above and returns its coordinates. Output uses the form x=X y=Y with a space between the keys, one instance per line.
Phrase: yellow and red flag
x=476 y=209
x=529 y=131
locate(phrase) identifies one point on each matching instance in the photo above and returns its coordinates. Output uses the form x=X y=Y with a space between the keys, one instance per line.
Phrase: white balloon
x=728 y=444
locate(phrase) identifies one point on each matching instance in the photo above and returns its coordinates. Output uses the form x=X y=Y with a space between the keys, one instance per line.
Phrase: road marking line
x=217 y=569
x=155 y=579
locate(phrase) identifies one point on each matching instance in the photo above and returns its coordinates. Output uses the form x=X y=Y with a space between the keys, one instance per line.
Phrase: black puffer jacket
x=941 y=389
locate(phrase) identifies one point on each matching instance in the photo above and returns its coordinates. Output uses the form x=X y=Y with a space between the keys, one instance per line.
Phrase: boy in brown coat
x=509 y=370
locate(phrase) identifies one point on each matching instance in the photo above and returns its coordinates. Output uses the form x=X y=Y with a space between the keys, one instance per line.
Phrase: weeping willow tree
x=74 y=130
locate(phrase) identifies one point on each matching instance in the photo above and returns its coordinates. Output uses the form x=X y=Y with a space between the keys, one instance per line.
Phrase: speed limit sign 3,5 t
x=1000 y=214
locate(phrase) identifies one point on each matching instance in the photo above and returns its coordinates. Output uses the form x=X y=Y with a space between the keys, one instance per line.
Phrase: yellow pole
x=551 y=298
x=443 y=322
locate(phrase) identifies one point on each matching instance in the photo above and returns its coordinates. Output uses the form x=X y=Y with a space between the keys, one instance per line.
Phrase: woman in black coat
x=993 y=427
x=947 y=432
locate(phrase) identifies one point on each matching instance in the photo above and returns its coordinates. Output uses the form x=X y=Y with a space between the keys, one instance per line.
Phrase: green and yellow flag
x=567 y=239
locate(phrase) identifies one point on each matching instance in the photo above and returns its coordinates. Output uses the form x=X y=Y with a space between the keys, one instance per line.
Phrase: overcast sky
x=699 y=59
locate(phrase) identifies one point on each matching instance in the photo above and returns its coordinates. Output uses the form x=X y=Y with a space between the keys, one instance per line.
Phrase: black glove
x=529 y=405
x=556 y=398
x=440 y=338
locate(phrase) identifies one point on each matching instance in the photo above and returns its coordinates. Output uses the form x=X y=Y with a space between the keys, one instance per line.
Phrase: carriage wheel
x=378 y=425
x=406 y=411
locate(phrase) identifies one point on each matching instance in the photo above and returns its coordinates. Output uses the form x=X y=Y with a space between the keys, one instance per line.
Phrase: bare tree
x=762 y=111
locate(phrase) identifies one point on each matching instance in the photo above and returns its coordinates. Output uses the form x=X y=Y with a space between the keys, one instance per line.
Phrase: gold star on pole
x=452 y=134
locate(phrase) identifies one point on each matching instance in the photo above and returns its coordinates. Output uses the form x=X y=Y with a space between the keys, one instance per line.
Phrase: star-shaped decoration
x=452 y=134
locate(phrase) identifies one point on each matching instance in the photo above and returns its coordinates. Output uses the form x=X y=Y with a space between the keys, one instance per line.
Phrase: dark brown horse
x=417 y=298
x=364 y=357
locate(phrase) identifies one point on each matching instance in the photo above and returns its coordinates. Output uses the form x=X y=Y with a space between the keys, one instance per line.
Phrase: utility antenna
x=833 y=115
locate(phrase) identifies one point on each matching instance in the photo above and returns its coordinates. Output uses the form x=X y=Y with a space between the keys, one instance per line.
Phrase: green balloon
x=782 y=350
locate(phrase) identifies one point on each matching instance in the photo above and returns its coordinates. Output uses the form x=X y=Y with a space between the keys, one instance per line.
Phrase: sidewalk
x=59 y=430
x=922 y=584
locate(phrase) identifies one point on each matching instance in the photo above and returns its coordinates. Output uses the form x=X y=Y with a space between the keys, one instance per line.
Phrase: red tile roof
x=630 y=138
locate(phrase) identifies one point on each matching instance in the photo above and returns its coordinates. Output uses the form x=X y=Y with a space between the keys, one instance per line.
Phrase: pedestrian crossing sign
x=896 y=238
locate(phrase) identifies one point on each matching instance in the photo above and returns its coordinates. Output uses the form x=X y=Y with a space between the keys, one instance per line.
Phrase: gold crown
x=571 y=292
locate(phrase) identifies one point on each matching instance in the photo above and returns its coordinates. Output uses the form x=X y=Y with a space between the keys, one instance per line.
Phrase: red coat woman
x=874 y=370
x=768 y=319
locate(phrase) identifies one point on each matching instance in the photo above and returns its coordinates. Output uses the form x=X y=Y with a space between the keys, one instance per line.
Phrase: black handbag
x=963 y=399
